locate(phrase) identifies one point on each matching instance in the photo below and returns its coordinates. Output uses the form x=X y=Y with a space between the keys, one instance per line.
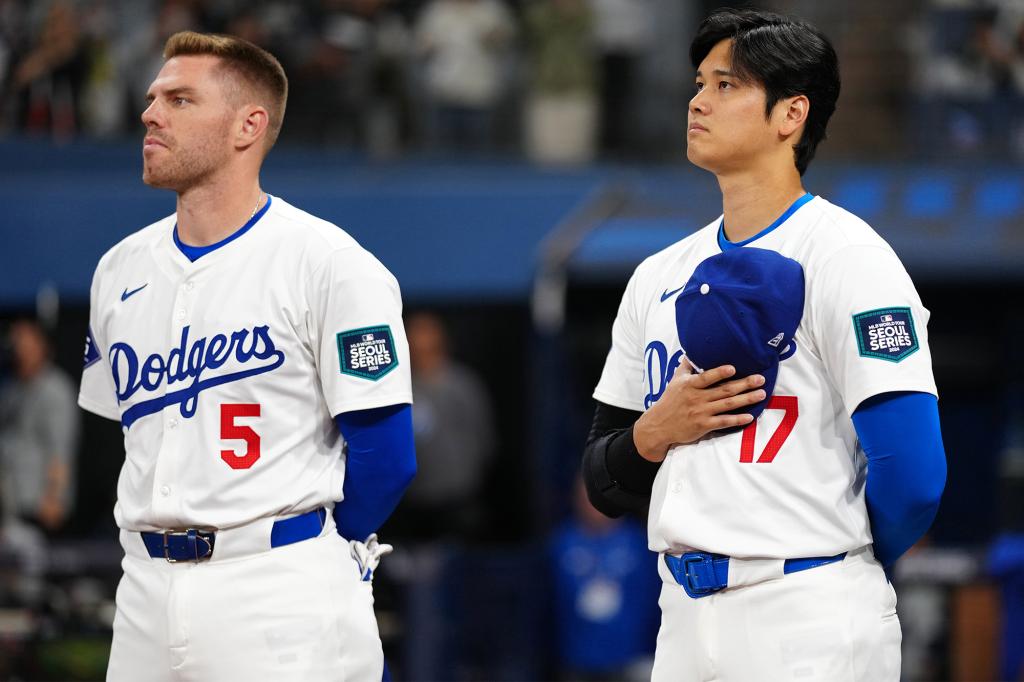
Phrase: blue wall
x=471 y=230
x=466 y=231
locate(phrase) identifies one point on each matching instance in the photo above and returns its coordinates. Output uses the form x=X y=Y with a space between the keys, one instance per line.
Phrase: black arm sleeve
x=617 y=478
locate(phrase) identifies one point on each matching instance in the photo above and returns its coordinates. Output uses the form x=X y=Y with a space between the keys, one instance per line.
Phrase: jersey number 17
x=786 y=403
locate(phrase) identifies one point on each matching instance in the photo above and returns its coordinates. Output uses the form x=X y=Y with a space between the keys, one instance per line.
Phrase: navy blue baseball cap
x=741 y=308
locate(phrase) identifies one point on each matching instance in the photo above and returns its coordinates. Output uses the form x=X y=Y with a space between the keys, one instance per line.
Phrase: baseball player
x=769 y=391
x=256 y=360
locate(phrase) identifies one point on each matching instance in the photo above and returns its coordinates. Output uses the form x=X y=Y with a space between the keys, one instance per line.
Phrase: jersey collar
x=194 y=253
x=725 y=244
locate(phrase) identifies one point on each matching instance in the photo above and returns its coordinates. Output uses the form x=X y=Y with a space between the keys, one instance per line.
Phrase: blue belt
x=195 y=545
x=703 y=573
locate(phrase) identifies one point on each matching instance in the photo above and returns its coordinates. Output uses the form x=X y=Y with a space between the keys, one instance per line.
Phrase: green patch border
x=874 y=354
x=366 y=330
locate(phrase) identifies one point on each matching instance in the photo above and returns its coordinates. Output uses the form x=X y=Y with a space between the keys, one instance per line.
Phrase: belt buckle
x=700 y=559
x=190 y=533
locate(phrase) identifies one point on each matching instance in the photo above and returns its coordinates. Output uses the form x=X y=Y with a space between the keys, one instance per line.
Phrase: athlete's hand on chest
x=692 y=406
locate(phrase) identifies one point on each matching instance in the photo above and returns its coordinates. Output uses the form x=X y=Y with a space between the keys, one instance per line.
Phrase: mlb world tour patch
x=368 y=353
x=886 y=333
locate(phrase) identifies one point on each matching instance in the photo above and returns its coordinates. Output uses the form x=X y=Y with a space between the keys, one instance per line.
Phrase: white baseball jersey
x=226 y=373
x=792 y=483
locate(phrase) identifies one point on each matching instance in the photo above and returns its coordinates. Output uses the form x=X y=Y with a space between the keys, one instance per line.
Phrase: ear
x=794 y=112
x=253 y=126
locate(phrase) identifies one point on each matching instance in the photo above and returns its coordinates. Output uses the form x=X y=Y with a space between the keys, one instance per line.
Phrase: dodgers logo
x=886 y=333
x=660 y=370
x=187 y=362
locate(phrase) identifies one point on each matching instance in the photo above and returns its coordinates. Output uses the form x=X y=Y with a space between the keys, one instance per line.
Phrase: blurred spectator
x=328 y=90
x=1006 y=557
x=1006 y=564
x=561 y=111
x=103 y=103
x=142 y=49
x=454 y=439
x=923 y=613
x=38 y=433
x=1017 y=59
x=606 y=595
x=623 y=33
x=12 y=22
x=389 y=119
x=49 y=76
x=371 y=102
x=972 y=80
x=464 y=43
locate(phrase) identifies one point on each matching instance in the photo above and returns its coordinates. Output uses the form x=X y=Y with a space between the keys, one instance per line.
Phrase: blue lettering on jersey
x=660 y=370
x=188 y=362
x=886 y=333
x=789 y=351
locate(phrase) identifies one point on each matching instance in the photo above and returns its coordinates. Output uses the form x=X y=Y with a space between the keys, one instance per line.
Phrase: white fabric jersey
x=791 y=484
x=225 y=373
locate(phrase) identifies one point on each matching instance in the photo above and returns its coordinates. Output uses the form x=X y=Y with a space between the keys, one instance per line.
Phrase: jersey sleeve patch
x=367 y=353
x=886 y=333
x=92 y=353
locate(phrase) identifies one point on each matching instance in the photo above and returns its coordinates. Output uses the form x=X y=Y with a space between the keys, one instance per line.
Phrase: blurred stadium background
x=512 y=211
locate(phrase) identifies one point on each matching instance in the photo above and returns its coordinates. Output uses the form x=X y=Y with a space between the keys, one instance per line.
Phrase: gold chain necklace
x=257 y=206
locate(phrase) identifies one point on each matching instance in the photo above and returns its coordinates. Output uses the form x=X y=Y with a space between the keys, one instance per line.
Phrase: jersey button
x=173 y=423
x=165 y=490
x=181 y=314
x=189 y=286
x=677 y=487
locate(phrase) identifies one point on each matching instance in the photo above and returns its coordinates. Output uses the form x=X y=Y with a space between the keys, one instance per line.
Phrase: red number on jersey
x=778 y=402
x=231 y=431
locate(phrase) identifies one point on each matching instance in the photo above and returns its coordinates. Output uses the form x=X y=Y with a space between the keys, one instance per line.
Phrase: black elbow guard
x=607 y=494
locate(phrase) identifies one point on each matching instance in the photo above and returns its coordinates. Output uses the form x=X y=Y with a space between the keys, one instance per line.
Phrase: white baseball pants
x=297 y=612
x=833 y=623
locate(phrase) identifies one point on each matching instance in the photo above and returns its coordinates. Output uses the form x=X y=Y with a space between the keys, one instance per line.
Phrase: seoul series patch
x=368 y=353
x=886 y=333
x=92 y=353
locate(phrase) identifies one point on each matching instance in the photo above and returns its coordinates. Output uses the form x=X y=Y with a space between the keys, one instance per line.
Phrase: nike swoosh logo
x=669 y=294
x=125 y=295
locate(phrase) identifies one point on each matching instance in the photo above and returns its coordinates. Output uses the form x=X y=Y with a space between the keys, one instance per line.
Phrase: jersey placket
x=167 y=500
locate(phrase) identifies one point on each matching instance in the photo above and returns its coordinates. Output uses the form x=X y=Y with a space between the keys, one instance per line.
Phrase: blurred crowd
x=969 y=80
x=559 y=81
x=384 y=76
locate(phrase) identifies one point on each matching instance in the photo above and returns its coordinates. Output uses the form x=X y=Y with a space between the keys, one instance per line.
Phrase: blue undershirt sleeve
x=906 y=474
x=381 y=462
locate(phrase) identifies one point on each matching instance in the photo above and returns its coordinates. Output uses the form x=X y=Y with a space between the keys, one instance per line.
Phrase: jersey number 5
x=788 y=404
x=229 y=430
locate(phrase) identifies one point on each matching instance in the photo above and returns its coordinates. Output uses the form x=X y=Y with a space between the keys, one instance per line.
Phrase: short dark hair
x=786 y=56
x=256 y=67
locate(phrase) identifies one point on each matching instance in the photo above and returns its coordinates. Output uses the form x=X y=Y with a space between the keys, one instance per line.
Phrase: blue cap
x=741 y=308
